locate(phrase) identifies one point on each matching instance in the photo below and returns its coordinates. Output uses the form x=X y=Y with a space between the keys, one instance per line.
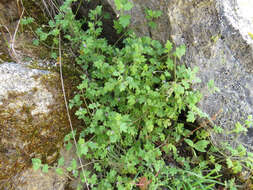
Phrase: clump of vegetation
x=139 y=108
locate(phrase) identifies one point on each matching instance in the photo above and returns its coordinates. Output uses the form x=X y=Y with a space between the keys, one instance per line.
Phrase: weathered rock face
x=216 y=35
x=33 y=120
x=37 y=180
x=218 y=46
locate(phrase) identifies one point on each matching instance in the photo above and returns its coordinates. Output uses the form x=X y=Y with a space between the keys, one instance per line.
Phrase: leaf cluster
x=151 y=15
x=132 y=100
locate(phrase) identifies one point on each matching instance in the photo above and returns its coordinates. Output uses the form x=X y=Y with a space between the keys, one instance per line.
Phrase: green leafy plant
x=124 y=18
x=211 y=87
x=151 y=15
x=27 y=20
x=235 y=153
x=38 y=165
x=136 y=103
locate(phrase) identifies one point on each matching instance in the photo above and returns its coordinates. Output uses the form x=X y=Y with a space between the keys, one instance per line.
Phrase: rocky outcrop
x=37 y=180
x=216 y=35
x=217 y=45
x=29 y=179
x=33 y=119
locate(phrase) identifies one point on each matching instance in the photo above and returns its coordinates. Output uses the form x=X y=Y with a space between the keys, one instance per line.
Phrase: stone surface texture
x=216 y=35
x=37 y=180
x=223 y=52
x=33 y=120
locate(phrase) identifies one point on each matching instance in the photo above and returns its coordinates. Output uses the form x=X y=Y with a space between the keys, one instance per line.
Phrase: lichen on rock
x=33 y=120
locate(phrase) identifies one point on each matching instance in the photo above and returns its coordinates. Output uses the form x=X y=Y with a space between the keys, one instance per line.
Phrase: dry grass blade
x=69 y=118
x=52 y=7
x=12 y=44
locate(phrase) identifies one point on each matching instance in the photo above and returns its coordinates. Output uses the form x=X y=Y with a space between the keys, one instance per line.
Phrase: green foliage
x=201 y=145
x=36 y=163
x=26 y=20
x=124 y=5
x=151 y=15
x=237 y=157
x=45 y=168
x=124 y=18
x=132 y=100
x=211 y=87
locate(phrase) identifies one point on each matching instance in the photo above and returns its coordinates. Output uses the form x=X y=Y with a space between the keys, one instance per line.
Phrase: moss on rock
x=26 y=132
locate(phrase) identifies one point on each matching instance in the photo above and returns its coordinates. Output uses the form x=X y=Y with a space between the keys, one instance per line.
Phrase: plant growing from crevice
x=151 y=15
x=131 y=100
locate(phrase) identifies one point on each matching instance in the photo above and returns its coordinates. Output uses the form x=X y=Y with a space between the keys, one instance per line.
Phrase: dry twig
x=67 y=109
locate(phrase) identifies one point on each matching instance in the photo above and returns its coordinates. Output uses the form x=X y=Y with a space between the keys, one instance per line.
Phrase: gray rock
x=218 y=44
x=37 y=180
x=33 y=120
x=20 y=79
